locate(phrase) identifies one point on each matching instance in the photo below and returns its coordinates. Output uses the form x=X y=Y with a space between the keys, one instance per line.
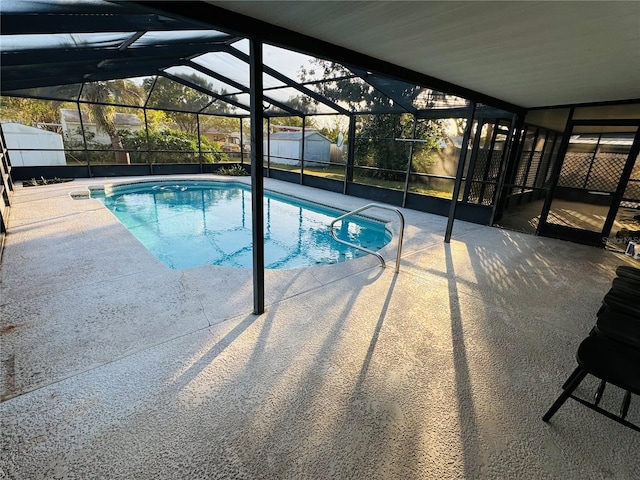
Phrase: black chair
x=619 y=326
x=624 y=294
x=626 y=303
x=626 y=285
x=627 y=271
x=612 y=362
x=611 y=352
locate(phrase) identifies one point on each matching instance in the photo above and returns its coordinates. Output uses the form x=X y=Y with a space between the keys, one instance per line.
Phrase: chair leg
x=571 y=377
x=624 y=409
x=578 y=376
x=599 y=392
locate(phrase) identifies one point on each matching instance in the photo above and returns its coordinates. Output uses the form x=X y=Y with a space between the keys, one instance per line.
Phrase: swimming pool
x=187 y=224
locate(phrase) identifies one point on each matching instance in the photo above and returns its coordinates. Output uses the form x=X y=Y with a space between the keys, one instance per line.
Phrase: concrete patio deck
x=116 y=367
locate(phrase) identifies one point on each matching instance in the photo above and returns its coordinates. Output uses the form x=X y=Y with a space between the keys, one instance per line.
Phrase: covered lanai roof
x=415 y=56
x=51 y=48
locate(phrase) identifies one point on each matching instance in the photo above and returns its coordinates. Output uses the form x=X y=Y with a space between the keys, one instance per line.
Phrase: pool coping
x=109 y=187
x=86 y=194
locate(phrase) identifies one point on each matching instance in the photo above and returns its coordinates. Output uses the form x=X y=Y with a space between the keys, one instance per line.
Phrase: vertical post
x=351 y=152
x=199 y=142
x=555 y=172
x=408 y=173
x=510 y=166
x=593 y=159
x=7 y=182
x=472 y=161
x=257 y=176
x=547 y=134
x=150 y=154
x=84 y=137
x=460 y=171
x=5 y=171
x=241 y=143
x=302 y=150
x=622 y=184
x=536 y=133
x=489 y=161
x=146 y=130
x=268 y=147
x=506 y=160
x=552 y=138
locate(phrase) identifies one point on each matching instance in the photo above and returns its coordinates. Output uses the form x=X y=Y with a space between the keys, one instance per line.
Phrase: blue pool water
x=190 y=224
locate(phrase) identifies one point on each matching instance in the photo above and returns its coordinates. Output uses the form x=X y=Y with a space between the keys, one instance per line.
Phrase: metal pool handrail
x=371 y=252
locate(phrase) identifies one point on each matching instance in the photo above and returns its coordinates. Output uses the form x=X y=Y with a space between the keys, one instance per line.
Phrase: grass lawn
x=337 y=173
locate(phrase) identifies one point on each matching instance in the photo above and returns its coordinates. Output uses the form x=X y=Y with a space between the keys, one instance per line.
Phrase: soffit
x=531 y=54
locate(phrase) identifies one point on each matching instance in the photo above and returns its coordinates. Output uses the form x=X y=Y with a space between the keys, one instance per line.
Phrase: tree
x=332 y=128
x=186 y=103
x=170 y=146
x=156 y=120
x=101 y=96
x=31 y=111
x=375 y=144
x=169 y=94
x=291 y=122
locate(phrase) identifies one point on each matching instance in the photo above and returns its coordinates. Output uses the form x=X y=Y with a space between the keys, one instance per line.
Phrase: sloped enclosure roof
x=529 y=53
x=394 y=56
x=50 y=49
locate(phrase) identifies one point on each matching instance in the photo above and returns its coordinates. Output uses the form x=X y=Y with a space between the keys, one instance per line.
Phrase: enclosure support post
x=409 y=162
x=472 y=160
x=241 y=144
x=460 y=171
x=146 y=135
x=199 y=142
x=269 y=147
x=510 y=168
x=510 y=146
x=302 y=151
x=146 y=126
x=351 y=149
x=257 y=175
x=555 y=173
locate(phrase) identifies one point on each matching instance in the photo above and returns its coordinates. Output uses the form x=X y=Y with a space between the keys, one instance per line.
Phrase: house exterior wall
x=71 y=127
x=72 y=130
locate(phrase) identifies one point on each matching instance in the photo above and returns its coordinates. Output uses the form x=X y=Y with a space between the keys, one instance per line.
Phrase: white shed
x=29 y=146
x=286 y=148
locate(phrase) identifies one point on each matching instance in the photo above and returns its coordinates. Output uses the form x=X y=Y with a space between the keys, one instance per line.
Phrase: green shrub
x=173 y=146
x=233 y=170
x=44 y=181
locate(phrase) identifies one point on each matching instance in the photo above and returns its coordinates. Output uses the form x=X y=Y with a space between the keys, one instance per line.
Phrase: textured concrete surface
x=113 y=366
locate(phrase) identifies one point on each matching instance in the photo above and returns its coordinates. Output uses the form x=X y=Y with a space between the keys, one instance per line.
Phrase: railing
x=371 y=252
